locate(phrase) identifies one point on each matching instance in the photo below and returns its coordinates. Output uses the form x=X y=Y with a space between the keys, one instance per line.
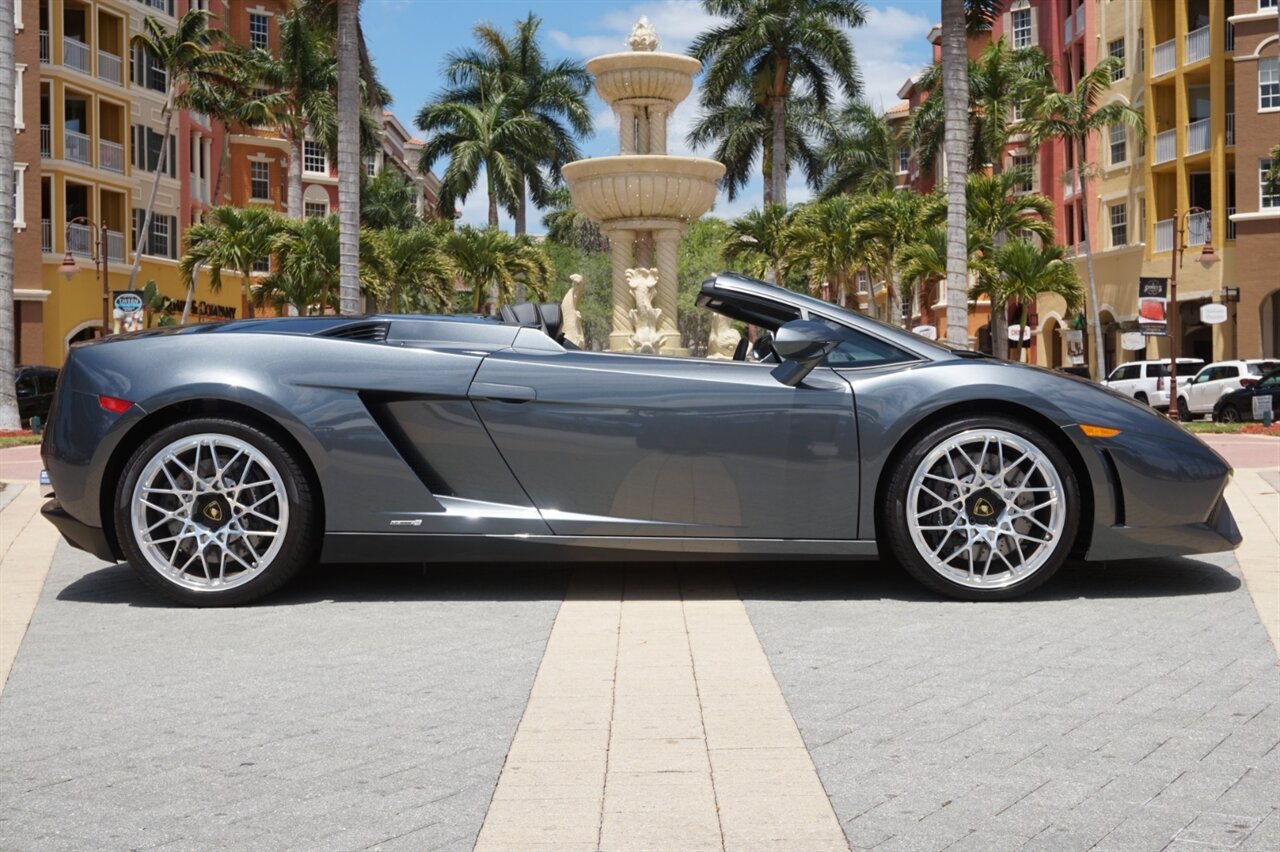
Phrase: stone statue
x=644 y=316
x=722 y=342
x=571 y=323
x=643 y=36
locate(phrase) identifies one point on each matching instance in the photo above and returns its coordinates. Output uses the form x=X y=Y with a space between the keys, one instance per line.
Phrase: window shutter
x=1035 y=26
x=173 y=237
x=137 y=229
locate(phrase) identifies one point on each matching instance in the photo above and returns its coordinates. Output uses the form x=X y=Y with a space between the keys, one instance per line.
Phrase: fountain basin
x=635 y=74
x=643 y=186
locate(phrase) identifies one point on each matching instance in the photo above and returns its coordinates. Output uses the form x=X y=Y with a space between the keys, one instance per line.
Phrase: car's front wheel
x=213 y=512
x=982 y=508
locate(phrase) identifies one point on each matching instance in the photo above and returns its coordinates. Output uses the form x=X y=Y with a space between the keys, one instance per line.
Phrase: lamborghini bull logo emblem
x=981 y=509
x=213 y=512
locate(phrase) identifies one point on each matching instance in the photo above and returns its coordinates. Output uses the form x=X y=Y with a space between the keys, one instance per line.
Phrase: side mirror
x=801 y=345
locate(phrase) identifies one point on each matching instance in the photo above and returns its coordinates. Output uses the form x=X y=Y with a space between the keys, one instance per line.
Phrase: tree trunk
x=349 y=156
x=8 y=358
x=293 y=204
x=1095 y=316
x=955 y=93
x=161 y=165
x=766 y=170
x=522 y=212
x=191 y=293
x=493 y=196
x=224 y=163
x=1023 y=348
x=247 y=272
x=779 y=171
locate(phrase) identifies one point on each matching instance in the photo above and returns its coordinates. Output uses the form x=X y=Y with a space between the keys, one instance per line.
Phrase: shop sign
x=128 y=312
x=1153 y=306
x=1132 y=341
x=1075 y=347
x=928 y=332
x=1213 y=313
x=1262 y=406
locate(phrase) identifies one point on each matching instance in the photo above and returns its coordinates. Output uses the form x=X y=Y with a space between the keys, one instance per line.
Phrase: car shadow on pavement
x=1167 y=577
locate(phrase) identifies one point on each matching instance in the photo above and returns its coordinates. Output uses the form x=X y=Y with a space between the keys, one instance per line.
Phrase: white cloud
x=678 y=23
x=886 y=47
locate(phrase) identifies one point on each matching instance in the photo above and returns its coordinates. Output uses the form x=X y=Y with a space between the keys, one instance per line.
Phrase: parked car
x=34 y=388
x=1148 y=381
x=1214 y=381
x=1237 y=405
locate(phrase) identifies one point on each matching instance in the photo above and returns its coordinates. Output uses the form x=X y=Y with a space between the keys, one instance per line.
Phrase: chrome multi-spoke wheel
x=984 y=507
x=214 y=511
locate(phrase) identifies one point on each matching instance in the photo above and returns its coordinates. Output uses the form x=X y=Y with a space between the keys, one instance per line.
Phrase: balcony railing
x=1164 y=235
x=1067 y=30
x=1231 y=128
x=1231 y=226
x=111 y=156
x=46 y=141
x=1197 y=228
x=199 y=189
x=200 y=119
x=109 y=67
x=80 y=239
x=1166 y=146
x=78 y=147
x=75 y=54
x=1069 y=182
x=1198 y=136
x=1165 y=57
x=1080 y=20
x=46 y=236
x=46 y=49
x=1230 y=37
x=115 y=246
x=1197 y=45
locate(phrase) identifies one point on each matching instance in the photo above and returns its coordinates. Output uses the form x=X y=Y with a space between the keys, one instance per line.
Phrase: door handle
x=502 y=393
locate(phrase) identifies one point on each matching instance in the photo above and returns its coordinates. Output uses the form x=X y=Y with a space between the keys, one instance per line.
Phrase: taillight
x=1160 y=383
x=114 y=404
x=1245 y=383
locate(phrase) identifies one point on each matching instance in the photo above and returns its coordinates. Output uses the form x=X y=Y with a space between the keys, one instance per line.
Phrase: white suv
x=1148 y=381
x=1218 y=379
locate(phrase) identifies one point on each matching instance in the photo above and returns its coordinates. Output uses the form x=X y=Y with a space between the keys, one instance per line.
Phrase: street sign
x=1153 y=306
x=1213 y=313
x=1262 y=404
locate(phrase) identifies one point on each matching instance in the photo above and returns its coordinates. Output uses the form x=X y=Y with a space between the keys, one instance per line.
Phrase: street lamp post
x=98 y=254
x=1207 y=259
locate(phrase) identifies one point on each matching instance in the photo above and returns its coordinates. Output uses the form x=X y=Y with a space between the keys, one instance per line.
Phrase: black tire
x=300 y=543
x=1142 y=398
x=896 y=536
x=1184 y=411
x=1228 y=414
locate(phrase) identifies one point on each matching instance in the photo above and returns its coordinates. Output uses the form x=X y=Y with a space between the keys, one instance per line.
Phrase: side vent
x=375 y=332
x=1117 y=488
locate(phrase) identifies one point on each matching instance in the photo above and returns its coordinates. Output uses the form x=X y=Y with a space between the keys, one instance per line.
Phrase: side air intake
x=371 y=331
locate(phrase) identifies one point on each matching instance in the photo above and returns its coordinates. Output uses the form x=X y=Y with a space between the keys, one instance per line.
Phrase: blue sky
x=410 y=38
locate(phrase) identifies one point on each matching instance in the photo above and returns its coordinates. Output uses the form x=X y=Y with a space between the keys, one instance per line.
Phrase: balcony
x=46 y=141
x=1165 y=57
x=80 y=239
x=111 y=156
x=1068 y=31
x=115 y=246
x=46 y=49
x=200 y=119
x=110 y=67
x=1069 y=181
x=1166 y=146
x=1198 y=137
x=75 y=54
x=1197 y=228
x=1197 y=45
x=46 y=236
x=1231 y=128
x=1231 y=226
x=1164 y=235
x=79 y=148
x=1080 y=20
x=199 y=189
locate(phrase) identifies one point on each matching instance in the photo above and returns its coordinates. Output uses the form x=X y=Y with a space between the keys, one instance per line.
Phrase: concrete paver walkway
x=27 y=543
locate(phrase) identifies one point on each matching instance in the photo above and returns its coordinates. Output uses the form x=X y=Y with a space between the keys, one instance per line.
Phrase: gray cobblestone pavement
x=1128 y=707
x=342 y=714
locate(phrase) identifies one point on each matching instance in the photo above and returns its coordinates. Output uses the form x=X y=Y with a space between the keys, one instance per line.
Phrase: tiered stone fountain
x=643 y=198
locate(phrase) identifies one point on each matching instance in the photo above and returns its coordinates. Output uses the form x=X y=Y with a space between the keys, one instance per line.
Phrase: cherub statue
x=571 y=324
x=722 y=342
x=644 y=316
x=643 y=36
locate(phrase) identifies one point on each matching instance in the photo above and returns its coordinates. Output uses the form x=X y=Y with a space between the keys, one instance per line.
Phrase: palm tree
x=231 y=238
x=822 y=238
x=885 y=225
x=1024 y=269
x=740 y=128
x=389 y=200
x=860 y=153
x=484 y=137
x=349 y=112
x=8 y=396
x=758 y=240
x=419 y=275
x=567 y=226
x=489 y=262
x=776 y=44
x=189 y=59
x=554 y=94
x=1073 y=117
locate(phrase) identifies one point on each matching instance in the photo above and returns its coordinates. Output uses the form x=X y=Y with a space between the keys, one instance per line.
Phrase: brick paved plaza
x=1128 y=706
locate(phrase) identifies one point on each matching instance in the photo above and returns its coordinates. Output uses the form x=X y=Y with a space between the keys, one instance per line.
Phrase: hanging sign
x=1075 y=347
x=1213 y=313
x=1132 y=341
x=928 y=332
x=127 y=314
x=1153 y=306
x=1019 y=332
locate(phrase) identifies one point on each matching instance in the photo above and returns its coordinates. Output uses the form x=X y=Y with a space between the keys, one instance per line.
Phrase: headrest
x=552 y=319
x=526 y=313
x=508 y=315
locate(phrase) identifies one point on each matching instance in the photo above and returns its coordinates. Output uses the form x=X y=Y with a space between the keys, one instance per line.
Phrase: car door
x=638 y=445
x=1202 y=389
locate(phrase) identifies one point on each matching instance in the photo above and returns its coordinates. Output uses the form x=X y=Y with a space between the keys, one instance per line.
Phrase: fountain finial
x=643 y=36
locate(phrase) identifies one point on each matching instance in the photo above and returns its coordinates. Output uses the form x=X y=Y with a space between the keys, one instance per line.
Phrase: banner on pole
x=1153 y=306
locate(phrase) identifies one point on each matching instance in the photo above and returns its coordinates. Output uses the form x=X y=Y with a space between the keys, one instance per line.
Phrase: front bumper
x=77 y=533
x=1218 y=533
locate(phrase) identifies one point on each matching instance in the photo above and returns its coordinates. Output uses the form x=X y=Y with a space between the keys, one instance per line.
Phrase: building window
x=1269 y=83
x=262 y=264
x=1269 y=196
x=1115 y=50
x=315 y=209
x=1021 y=22
x=145 y=71
x=1026 y=162
x=1268 y=4
x=904 y=160
x=258 y=31
x=1142 y=51
x=371 y=166
x=1119 y=225
x=259 y=180
x=314 y=159
x=147 y=147
x=161 y=239
x=1119 y=152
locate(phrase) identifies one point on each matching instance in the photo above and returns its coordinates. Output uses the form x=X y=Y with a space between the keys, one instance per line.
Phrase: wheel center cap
x=984 y=507
x=211 y=511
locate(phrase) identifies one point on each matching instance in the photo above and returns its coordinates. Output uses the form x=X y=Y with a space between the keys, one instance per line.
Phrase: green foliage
x=824 y=241
x=231 y=238
x=594 y=267
x=756 y=244
x=699 y=256
x=567 y=226
x=860 y=153
x=490 y=261
x=389 y=200
x=416 y=275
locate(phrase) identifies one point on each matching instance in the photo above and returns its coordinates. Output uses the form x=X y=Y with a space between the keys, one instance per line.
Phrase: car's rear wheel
x=213 y=512
x=1229 y=414
x=1142 y=398
x=982 y=508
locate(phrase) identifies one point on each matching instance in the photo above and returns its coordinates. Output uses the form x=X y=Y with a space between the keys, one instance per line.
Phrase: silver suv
x=1148 y=381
